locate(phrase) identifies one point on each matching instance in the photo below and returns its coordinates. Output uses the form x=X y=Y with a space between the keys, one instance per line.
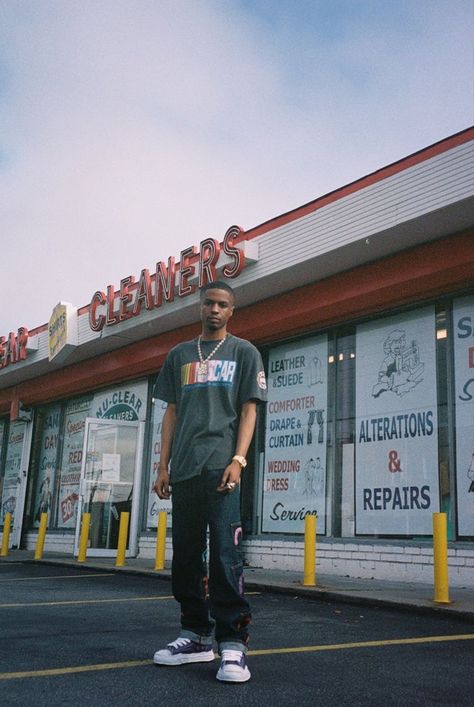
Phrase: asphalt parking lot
x=71 y=635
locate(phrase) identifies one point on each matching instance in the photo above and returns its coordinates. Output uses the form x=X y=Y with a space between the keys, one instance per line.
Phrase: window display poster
x=74 y=426
x=47 y=463
x=295 y=437
x=12 y=475
x=463 y=318
x=155 y=504
x=397 y=488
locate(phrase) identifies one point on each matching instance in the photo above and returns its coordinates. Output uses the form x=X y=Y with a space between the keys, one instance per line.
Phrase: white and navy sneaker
x=184 y=650
x=233 y=667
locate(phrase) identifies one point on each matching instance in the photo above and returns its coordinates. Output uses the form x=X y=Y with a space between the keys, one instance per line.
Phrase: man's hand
x=230 y=478
x=162 y=484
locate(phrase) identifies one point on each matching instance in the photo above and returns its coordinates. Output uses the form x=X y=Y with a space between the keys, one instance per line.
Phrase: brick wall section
x=397 y=561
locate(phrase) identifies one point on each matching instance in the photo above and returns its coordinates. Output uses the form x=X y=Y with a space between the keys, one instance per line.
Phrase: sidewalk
x=408 y=596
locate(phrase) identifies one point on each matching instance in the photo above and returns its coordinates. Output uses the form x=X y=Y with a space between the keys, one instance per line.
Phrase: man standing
x=212 y=385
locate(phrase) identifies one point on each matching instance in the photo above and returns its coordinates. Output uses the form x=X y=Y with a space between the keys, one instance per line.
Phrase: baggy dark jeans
x=197 y=506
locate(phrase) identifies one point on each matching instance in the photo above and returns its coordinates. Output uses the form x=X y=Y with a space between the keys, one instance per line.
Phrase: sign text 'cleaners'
x=152 y=290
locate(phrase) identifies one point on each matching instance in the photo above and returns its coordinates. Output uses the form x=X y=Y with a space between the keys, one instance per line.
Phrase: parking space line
x=365 y=644
x=51 y=672
x=67 y=602
x=69 y=671
x=81 y=601
x=59 y=576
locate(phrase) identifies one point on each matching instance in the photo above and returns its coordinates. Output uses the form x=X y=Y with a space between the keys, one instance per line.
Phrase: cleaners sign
x=295 y=438
x=152 y=290
x=396 y=425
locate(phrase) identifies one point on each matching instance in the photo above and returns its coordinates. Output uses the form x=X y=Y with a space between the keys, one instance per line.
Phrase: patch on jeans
x=237 y=535
x=238 y=572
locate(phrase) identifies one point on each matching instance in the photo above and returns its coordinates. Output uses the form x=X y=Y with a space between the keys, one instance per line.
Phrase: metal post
x=7 y=524
x=122 y=539
x=161 y=541
x=41 y=536
x=309 y=551
x=440 y=558
x=84 y=539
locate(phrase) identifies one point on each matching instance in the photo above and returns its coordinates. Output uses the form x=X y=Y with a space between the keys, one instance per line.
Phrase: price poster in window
x=12 y=477
x=155 y=504
x=295 y=437
x=47 y=463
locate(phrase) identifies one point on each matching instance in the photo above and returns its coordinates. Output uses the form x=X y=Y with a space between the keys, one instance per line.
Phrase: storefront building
x=362 y=304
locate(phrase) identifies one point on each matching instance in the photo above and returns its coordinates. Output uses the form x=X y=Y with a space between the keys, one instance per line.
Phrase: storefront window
x=387 y=470
x=58 y=447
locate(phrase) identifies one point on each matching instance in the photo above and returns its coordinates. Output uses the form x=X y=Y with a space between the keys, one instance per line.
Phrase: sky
x=132 y=129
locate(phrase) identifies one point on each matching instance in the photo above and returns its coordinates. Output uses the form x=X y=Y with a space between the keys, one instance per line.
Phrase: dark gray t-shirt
x=208 y=403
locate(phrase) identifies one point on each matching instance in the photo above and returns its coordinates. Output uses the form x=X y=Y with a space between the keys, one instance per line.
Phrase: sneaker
x=233 y=667
x=184 y=650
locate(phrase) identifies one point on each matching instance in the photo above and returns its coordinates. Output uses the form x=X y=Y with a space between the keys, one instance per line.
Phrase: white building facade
x=362 y=305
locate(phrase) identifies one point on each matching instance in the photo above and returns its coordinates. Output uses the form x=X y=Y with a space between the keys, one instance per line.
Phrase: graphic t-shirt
x=208 y=402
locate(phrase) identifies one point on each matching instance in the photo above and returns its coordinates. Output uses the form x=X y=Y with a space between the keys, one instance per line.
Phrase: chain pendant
x=202 y=367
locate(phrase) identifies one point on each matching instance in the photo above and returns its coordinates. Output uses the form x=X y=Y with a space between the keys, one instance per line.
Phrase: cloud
x=131 y=130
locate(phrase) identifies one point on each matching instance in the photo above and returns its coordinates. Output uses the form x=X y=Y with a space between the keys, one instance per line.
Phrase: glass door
x=110 y=483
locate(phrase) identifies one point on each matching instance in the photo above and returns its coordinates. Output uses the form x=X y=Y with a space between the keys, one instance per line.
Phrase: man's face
x=217 y=307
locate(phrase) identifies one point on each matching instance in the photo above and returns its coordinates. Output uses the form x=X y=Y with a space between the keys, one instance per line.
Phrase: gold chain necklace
x=202 y=367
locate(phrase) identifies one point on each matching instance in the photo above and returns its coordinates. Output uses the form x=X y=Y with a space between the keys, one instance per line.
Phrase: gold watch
x=242 y=460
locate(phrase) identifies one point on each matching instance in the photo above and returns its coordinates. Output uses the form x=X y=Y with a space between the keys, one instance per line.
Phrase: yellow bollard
x=84 y=539
x=122 y=539
x=41 y=536
x=440 y=558
x=7 y=524
x=309 y=551
x=161 y=541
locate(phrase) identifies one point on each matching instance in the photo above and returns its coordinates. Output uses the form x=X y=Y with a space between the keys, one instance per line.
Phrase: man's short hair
x=217 y=285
